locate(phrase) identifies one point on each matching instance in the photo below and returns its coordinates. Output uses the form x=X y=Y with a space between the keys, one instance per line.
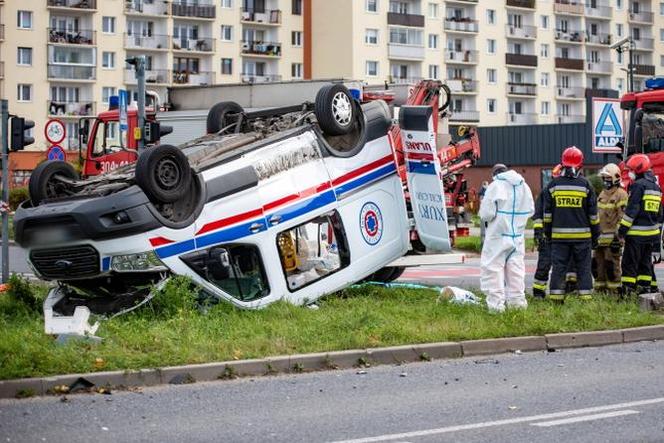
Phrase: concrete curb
x=27 y=387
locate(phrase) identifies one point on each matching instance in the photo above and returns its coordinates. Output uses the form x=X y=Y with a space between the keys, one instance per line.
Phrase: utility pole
x=4 y=113
x=139 y=67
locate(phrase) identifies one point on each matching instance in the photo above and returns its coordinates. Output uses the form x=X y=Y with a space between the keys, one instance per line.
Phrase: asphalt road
x=606 y=394
x=17 y=263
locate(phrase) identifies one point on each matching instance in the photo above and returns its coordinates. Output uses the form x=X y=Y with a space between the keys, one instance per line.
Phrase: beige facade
x=72 y=52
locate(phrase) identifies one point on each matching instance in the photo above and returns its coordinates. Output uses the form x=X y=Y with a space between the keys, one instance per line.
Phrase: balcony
x=641 y=17
x=577 y=64
x=599 y=67
x=562 y=119
x=193 y=44
x=141 y=7
x=261 y=49
x=261 y=17
x=194 y=10
x=568 y=7
x=82 y=5
x=465 y=116
x=398 y=51
x=570 y=93
x=61 y=37
x=144 y=42
x=256 y=78
x=415 y=20
x=521 y=88
x=462 y=85
x=521 y=118
x=466 y=56
x=529 y=32
x=644 y=43
x=569 y=36
x=193 y=78
x=71 y=72
x=644 y=70
x=461 y=25
x=521 y=60
x=529 y=4
x=70 y=109
x=405 y=80
x=605 y=12
x=152 y=76
x=598 y=39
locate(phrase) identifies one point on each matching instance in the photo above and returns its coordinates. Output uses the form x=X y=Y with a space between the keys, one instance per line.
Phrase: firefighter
x=571 y=224
x=611 y=206
x=640 y=227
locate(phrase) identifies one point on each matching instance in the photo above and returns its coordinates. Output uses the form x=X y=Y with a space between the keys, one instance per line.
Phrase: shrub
x=17 y=196
x=25 y=294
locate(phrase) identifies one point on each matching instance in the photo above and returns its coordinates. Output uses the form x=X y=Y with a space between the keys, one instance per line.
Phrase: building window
x=372 y=5
x=544 y=79
x=296 y=70
x=371 y=37
x=661 y=34
x=108 y=60
x=226 y=33
x=106 y=93
x=227 y=66
x=620 y=58
x=619 y=4
x=24 y=19
x=108 y=25
x=545 y=108
x=24 y=56
x=491 y=105
x=544 y=50
x=621 y=84
x=227 y=4
x=491 y=16
x=491 y=46
x=296 y=7
x=433 y=72
x=544 y=21
x=491 y=75
x=433 y=41
x=661 y=8
x=661 y=60
x=433 y=10
x=372 y=68
x=23 y=92
x=619 y=29
x=296 y=38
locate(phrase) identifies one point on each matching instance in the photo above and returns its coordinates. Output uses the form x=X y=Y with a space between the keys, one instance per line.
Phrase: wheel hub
x=342 y=109
x=167 y=173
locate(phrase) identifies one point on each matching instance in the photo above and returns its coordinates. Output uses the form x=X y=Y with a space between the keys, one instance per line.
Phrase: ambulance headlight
x=139 y=262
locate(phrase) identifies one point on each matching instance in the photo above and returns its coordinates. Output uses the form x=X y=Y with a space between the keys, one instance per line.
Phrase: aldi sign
x=607 y=125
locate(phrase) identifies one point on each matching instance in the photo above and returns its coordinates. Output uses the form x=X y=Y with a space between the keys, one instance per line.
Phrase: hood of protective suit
x=512 y=177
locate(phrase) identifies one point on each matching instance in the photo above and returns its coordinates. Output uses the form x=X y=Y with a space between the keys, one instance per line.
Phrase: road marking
x=508 y=421
x=565 y=421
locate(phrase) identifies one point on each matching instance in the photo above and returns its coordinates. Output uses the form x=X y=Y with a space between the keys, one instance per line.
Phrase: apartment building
x=65 y=58
x=506 y=61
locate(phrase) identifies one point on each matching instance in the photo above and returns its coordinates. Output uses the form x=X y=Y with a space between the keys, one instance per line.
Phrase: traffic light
x=19 y=139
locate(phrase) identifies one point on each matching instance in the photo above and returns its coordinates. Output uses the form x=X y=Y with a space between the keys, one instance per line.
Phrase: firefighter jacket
x=570 y=210
x=642 y=218
x=611 y=205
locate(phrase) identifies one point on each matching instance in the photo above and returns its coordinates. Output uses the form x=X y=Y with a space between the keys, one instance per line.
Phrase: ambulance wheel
x=387 y=274
x=221 y=116
x=48 y=181
x=335 y=109
x=163 y=173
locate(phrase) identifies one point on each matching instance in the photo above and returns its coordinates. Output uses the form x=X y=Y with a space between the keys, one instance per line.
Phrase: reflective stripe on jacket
x=611 y=205
x=570 y=210
x=643 y=213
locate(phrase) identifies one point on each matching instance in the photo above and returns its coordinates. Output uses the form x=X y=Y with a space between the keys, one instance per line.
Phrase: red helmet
x=572 y=158
x=557 y=170
x=638 y=163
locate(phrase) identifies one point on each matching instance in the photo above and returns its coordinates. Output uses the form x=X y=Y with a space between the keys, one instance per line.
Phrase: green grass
x=171 y=330
x=472 y=244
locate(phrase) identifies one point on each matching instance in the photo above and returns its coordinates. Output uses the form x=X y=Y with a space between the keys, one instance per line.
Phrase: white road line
x=508 y=421
x=565 y=421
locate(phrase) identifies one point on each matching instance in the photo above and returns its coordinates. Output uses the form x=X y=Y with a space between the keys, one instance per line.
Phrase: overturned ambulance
x=291 y=203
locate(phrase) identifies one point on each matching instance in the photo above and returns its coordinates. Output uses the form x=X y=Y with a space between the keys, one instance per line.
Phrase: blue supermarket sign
x=607 y=125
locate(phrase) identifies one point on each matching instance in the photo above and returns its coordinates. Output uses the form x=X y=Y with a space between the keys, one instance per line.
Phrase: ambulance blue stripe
x=230 y=234
x=422 y=168
x=371 y=177
x=304 y=206
x=175 y=249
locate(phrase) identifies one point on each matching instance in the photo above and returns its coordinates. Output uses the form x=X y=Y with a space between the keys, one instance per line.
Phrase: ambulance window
x=313 y=250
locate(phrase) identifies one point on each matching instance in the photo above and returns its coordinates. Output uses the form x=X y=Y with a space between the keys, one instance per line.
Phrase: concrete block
x=643 y=333
x=502 y=345
x=199 y=372
x=439 y=350
x=347 y=359
x=25 y=387
x=277 y=365
x=245 y=368
x=145 y=377
x=309 y=362
x=393 y=355
x=580 y=339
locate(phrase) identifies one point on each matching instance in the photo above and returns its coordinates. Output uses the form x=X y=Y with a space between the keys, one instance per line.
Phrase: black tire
x=163 y=173
x=220 y=116
x=387 y=274
x=44 y=183
x=335 y=110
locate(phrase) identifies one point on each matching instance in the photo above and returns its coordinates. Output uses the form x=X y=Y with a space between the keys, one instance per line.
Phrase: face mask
x=632 y=176
x=607 y=184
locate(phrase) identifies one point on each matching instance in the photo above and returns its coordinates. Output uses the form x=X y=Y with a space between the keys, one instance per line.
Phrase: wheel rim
x=342 y=109
x=167 y=173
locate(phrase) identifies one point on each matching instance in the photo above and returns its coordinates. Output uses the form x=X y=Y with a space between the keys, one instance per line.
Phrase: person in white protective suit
x=505 y=208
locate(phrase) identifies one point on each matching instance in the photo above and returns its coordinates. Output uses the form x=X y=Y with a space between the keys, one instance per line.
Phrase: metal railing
x=193 y=78
x=152 y=76
x=598 y=39
x=193 y=9
x=641 y=16
x=569 y=92
x=461 y=25
x=521 y=31
x=521 y=59
x=522 y=118
x=644 y=70
x=463 y=56
x=604 y=67
x=599 y=11
x=70 y=108
x=80 y=37
x=255 y=78
x=521 y=88
x=405 y=52
x=569 y=35
x=415 y=20
x=462 y=84
x=137 y=41
x=644 y=43
x=158 y=7
x=465 y=116
x=70 y=72
x=568 y=7
x=193 y=44
x=250 y=47
x=530 y=4
x=75 y=4
x=271 y=17
x=405 y=80
x=577 y=64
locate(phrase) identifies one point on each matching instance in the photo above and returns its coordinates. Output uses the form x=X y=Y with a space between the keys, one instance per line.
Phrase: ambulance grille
x=66 y=263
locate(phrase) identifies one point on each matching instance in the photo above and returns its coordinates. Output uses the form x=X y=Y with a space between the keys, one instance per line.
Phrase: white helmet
x=610 y=172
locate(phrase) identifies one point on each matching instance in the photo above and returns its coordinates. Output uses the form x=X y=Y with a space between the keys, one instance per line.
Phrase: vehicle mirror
x=218 y=263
